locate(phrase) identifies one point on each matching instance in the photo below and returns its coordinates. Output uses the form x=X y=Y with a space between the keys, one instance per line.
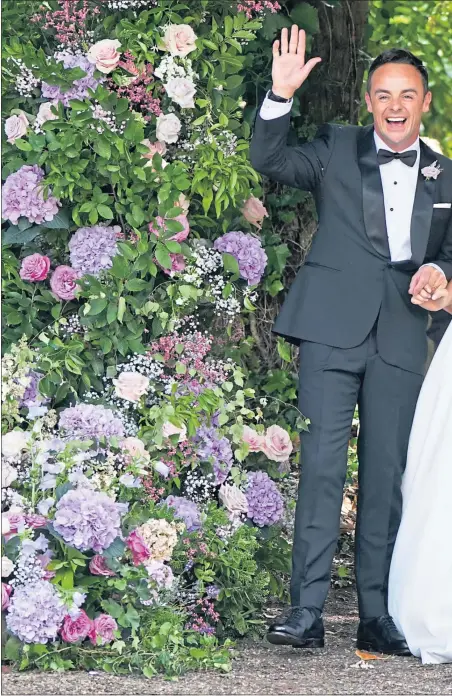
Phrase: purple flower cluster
x=248 y=251
x=87 y=420
x=161 y=573
x=265 y=503
x=31 y=396
x=23 y=196
x=36 y=612
x=79 y=89
x=92 y=248
x=88 y=520
x=216 y=449
x=186 y=510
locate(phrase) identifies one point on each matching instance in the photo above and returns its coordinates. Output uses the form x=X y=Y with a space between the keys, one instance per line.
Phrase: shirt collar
x=381 y=144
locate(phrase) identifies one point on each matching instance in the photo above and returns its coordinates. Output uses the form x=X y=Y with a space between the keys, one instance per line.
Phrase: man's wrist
x=282 y=92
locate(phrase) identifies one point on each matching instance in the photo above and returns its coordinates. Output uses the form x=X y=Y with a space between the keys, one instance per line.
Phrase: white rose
x=9 y=475
x=105 y=55
x=168 y=128
x=7 y=566
x=233 y=499
x=182 y=91
x=14 y=442
x=45 y=112
x=169 y=429
x=16 y=127
x=131 y=385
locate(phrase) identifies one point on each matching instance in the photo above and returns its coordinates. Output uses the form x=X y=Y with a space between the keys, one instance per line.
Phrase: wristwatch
x=275 y=97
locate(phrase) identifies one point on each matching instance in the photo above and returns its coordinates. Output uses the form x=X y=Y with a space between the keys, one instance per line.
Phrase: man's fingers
x=309 y=66
x=442 y=292
x=284 y=41
x=293 y=45
x=275 y=49
x=425 y=294
x=301 y=48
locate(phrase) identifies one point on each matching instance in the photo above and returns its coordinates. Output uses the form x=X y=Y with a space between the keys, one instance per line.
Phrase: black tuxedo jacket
x=348 y=280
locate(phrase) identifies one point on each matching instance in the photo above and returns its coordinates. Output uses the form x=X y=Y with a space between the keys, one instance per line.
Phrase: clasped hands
x=428 y=289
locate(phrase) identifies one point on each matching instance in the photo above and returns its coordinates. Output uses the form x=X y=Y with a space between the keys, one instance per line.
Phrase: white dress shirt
x=399 y=188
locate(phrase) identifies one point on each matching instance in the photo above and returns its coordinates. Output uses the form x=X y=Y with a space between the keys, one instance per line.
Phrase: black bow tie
x=409 y=157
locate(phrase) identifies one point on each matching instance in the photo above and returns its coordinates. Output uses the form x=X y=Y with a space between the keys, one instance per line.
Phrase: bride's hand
x=443 y=300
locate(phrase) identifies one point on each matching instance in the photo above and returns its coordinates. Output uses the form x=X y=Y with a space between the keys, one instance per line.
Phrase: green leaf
x=105 y=212
x=135 y=284
x=102 y=147
x=12 y=649
x=284 y=350
x=120 y=268
x=61 y=221
x=61 y=490
x=106 y=343
x=134 y=131
x=113 y=608
x=138 y=215
x=162 y=256
x=23 y=145
x=97 y=306
x=116 y=549
x=112 y=313
x=234 y=81
x=231 y=264
x=13 y=235
x=121 y=308
x=306 y=17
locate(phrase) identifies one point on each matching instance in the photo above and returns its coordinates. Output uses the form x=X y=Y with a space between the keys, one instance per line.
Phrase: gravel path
x=261 y=668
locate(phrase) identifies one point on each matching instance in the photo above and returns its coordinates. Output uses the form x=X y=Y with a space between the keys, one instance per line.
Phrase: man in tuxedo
x=383 y=244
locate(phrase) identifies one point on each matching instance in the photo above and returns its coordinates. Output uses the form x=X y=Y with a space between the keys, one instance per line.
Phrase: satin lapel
x=372 y=190
x=421 y=219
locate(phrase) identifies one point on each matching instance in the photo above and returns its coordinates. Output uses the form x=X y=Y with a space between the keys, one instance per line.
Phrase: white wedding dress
x=420 y=581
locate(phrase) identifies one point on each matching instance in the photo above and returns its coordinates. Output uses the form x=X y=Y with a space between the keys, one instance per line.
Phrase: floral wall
x=144 y=487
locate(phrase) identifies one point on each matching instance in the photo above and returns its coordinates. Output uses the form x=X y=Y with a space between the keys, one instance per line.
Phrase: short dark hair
x=398 y=55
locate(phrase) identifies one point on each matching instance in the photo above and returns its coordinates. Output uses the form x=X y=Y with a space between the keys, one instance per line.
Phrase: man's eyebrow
x=387 y=91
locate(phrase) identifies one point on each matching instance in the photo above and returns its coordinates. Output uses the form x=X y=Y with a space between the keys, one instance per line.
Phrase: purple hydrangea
x=92 y=248
x=87 y=519
x=36 y=612
x=161 y=573
x=265 y=503
x=87 y=420
x=32 y=396
x=23 y=196
x=79 y=89
x=186 y=510
x=212 y=447
x=248 y=251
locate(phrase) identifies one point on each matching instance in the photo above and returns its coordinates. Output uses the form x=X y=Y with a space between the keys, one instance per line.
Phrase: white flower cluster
x=169 y=69
x=204 y=270
x=71 y=325
x=25 y=80
x=107 y=117
x=28 y=568
x=130 y=4
x=199 y=487
x=15 y=369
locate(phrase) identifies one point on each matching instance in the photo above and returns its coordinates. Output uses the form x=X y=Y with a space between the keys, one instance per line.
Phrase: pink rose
x=254 y=211
x=16 y=127
x=277 y=444
x=63 y=282
x=140 y=552
x=177 y=264
x=131 y=385
x=180 y=39
x=45 y=112
x=12 y=523
x=34 y=521
x=6 y=593
x=98 y=566
x=153 y=148
x=103 y=627
x=104 y=55
x=178 y=236
x=169 y=429
x=34 y=268
x=77 y=629
x=254 y=441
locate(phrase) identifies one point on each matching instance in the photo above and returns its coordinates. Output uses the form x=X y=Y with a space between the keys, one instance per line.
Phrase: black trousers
x=332 y=382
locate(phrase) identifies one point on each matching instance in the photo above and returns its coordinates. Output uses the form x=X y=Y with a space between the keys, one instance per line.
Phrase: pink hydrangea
x=23 y=196
x=63 y=282
x=178 y=236
x=34 y=268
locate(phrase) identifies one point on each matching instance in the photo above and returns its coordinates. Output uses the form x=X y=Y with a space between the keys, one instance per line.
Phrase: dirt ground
x=261 y=668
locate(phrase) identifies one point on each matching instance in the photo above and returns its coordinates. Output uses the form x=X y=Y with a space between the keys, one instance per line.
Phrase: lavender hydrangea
x=212 y=447
x=23 y=196
x=32 y=396
x=92 y=248
x=248 y=251
x=265 y=503
x=87 y=519
x=36 y=612
x=79 y=89
x=186 y=510
x=161 y=573
x=90 y=421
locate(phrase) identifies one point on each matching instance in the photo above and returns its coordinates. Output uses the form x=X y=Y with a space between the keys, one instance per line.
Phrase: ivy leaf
x=284 y=350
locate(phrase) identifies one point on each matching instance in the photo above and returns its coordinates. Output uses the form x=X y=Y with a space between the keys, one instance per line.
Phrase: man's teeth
x=396 y=120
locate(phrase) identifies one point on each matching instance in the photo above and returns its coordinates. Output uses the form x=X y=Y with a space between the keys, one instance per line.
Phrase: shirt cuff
x=272 y=109
x=434 y=265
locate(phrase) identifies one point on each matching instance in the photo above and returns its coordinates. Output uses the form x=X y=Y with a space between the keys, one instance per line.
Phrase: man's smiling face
x=397 y=101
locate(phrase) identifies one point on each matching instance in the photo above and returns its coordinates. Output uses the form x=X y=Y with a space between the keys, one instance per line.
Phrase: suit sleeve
x=444 y=258
x=300 y=166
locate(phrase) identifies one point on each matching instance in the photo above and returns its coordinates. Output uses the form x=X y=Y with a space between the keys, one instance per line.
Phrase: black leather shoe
x=381 y=635
x=303 y=628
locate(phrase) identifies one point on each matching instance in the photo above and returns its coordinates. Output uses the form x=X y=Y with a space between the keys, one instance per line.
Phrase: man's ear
x=427 y=102
x=368 y=102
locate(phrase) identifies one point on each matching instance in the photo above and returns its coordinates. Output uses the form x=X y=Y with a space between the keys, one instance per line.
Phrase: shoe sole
x=285 y=639
x=368 y=647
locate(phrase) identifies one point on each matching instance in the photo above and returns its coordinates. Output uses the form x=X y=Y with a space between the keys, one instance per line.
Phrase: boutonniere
x=432 y=171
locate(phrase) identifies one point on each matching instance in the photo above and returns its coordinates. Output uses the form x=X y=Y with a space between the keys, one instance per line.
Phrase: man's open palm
x=289 y=68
